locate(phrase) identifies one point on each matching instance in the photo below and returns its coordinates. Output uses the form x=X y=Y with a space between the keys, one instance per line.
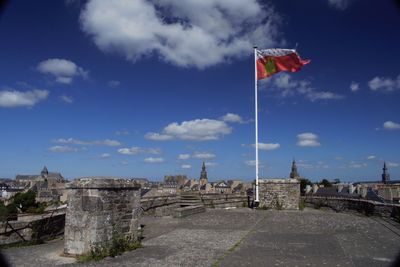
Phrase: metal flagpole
x=256 y=122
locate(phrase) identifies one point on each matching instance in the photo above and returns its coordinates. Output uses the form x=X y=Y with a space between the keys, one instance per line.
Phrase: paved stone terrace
x=243 y=237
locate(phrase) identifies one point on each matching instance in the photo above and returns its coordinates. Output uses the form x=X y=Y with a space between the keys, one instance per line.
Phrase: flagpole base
x=256 y=204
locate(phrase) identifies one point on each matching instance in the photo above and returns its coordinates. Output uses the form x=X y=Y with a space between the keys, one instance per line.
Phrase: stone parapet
x=279 y=193
x=225 y=200
x=368 y=207
x=99 y=210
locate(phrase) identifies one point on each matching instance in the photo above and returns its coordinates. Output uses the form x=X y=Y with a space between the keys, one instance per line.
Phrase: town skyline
x=165 y=96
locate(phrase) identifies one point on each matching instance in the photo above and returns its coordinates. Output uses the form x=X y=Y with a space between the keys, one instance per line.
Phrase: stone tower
x=203 y=175
x=294 y=173
x=44 y=172
x=385 y=174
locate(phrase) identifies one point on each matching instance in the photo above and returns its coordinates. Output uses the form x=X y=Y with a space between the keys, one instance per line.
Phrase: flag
x=271 y=61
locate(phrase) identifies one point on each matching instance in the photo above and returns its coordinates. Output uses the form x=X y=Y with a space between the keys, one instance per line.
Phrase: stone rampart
x=160 y=205
x=30 y=227
x=99 y=210
x=367 y=207
x=279 y=193
x=221 y=201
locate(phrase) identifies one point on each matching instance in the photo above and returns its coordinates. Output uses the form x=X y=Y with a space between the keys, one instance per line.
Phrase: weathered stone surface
x=100 y=209
x=244 y=237
x=279 y=193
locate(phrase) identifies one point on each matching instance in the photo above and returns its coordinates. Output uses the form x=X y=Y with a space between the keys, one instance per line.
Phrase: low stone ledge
x=186 y=211
x=103 y=182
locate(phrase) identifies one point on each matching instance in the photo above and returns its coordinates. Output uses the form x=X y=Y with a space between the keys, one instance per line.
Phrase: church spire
x=294 y=173
x=44 y=172
x=385 y=174
x=203 y=175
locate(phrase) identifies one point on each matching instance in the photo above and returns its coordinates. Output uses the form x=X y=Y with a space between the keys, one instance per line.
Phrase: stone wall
x=221 y=201
x=279 y=193
x=99 y=210
x=367 y=207
x=162 y=205
x=32 y=228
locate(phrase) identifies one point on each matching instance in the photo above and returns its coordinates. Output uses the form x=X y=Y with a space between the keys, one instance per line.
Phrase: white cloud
x=285 y=86
x=106 y=142
x=354 y=87
x=139 y=150
x=231 y=117
x=393 y=164
x=390 y=125
x=211 y=164
x=339 y=4
x=105 y=156
x=183 y=156
x=267 y=146
x=371 y=157
x=313 y=96
x=13 y=98
x=153 y=160
x=305 y=165
x=252 y=163
x=113 y=83
x=384 y=84
x=307 y=140
x=199 y=130
x=188 y=33
x=203 y=155
x=158 y=137
x=122 y=132
x=63 y=70
x=67 y=99
x=62 y=149
x=357 y=165
x=186 y=166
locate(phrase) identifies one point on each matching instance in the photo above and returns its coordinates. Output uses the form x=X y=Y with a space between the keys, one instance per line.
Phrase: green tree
x=8 y=212
x=25 y=200
x=325 y=183
x=303 y=183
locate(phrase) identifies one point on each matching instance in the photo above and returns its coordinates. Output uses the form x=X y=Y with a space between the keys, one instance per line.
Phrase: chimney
x=358 y=188
x=308 y=188
x=351 y=188
x=315 y=188
x=340 y=188
x=364 y=190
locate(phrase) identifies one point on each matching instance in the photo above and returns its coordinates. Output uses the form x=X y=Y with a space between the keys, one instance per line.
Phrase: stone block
x=99 y=208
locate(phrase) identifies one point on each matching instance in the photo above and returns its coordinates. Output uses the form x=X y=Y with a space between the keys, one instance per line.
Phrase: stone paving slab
x=316 y=238
x=243 y=237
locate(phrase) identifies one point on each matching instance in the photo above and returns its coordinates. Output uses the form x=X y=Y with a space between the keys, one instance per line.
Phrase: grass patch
x=22 y=244
x=302 y=204
x=317 y=205
x=116 y=246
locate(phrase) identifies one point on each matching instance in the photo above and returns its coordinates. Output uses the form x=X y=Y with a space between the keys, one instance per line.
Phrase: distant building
x=179 y=179
x=222 y=187
x=293 y=173
x=49 y=186
x=385 y=174
x=203 y=176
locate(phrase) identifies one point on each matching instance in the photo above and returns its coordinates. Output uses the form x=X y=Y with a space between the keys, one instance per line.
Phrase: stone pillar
x=100 y=209
x=279 y=193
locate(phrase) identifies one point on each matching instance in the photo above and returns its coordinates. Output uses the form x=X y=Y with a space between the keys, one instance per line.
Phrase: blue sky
x=149 y=88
